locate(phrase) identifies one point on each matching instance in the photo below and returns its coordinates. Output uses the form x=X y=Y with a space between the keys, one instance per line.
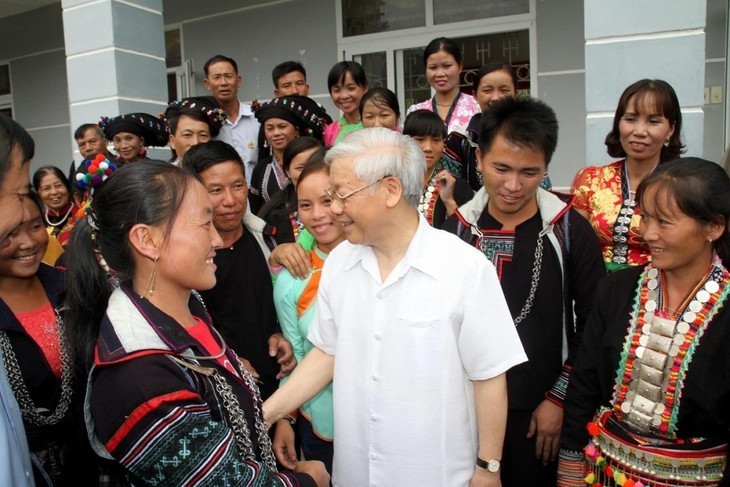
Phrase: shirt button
x=375 y=378
x=373 y=418
x=372 y=456
x=378 y=336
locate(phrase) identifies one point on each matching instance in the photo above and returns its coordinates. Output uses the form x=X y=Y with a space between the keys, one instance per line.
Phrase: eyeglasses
x=341 y=199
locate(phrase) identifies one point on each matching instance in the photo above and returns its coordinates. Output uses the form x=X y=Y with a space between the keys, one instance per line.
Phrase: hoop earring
x=153 y=279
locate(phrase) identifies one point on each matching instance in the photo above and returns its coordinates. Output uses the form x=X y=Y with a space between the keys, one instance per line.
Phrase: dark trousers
x=520 y=467
x=314 y=447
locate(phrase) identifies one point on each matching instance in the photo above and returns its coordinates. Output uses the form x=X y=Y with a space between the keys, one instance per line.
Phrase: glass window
x=4 y=79
x=415 y=84
x=509 y=47
x=7 y=111
x=369 y=16
x=375 y=66
x=445 y=11
x=512 y=48
x=173 y=48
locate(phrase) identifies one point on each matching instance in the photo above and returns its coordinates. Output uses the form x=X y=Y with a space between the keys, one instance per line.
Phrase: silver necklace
x=61 y=221
x=30 y=412
x=236 y=417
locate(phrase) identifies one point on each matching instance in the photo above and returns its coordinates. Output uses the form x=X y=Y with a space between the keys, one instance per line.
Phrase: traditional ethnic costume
x=36 y=360
x=268 y=176
x=430 y=205
x=60 y=223
x=548 y=269
x=296 y=305
x=174 y=406
x=602 y=192
x=152 y=130
x=463 y=108
x=660 y=386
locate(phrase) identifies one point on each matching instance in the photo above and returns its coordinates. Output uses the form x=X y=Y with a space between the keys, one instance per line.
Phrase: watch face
x=493 y=465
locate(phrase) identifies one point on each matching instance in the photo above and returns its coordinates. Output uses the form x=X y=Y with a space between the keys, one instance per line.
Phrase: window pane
x=512 y=48
x=7 y=111
x=445 y=11
x=415 y=84
x=374 y=64
x=4 y=79
x=368 y=16
x=171 y=87
x=509 y=47
x=173 y=50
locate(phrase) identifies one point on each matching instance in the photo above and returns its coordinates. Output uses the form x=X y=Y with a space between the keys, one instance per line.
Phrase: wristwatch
x=489 y=465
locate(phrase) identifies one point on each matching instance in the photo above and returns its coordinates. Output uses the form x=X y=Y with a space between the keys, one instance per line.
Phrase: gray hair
x=379 y=152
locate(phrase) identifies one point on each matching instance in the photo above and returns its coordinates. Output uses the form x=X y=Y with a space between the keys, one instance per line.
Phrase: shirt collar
x=417 y=256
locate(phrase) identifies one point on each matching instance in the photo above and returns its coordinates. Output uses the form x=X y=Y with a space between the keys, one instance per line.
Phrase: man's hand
x=293 y=257
x=485 y=478
x=546 y=422
x=280 y=348
x=283 y=444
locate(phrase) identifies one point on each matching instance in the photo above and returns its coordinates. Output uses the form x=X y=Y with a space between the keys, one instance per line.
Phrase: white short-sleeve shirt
x=243 y=135
x=406 y=351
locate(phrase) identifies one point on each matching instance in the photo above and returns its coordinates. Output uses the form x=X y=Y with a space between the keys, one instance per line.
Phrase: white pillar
x=115 y=60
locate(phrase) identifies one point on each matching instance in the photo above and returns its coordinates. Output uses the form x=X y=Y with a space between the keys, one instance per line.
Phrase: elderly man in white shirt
x=413 y=327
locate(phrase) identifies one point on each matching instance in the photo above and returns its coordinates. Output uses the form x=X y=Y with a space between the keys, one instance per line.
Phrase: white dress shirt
x=406 y=351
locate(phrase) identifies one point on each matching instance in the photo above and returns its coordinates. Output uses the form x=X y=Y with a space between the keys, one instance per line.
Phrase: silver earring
x=153 y=279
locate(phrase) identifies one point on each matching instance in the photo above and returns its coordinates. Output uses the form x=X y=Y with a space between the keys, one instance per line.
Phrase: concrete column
x=115 y=60
x=627 y=40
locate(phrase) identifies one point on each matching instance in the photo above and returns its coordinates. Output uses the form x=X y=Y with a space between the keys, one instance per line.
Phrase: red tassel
x=593 y=429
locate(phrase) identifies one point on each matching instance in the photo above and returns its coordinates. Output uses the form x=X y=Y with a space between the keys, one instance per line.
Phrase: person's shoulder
x=451 y=251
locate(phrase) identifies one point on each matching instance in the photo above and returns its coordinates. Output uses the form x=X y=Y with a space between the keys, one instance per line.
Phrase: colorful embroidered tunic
x=170 y=425
x=602 y=193
x=662 y=382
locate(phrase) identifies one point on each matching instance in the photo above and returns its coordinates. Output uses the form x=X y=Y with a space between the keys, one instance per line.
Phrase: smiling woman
x=59 y=209
x=646 y=132
x=656 y=393
x=147 y=241
x=442 y=58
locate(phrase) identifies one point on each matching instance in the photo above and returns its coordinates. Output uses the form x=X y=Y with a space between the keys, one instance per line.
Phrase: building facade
x=88 y=58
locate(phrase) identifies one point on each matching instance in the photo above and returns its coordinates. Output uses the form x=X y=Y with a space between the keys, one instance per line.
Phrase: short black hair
x=81 y=131
x=202 y=156
x=423 y=123
x=339 y=70
x=219 y=58
x=526 y=122
x=13 y=135
x=285 y=68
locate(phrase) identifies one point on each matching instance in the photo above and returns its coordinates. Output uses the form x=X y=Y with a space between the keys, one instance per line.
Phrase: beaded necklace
x=658 y=350
x=430 y=195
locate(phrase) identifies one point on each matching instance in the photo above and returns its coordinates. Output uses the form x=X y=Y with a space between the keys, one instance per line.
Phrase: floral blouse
x=598 y=194
x=466 y=107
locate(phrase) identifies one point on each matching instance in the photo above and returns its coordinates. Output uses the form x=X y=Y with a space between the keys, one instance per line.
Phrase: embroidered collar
x=658 y=351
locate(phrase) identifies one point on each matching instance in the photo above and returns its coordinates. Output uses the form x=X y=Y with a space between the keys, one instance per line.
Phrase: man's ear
x=394 y=189
x=145 y=240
